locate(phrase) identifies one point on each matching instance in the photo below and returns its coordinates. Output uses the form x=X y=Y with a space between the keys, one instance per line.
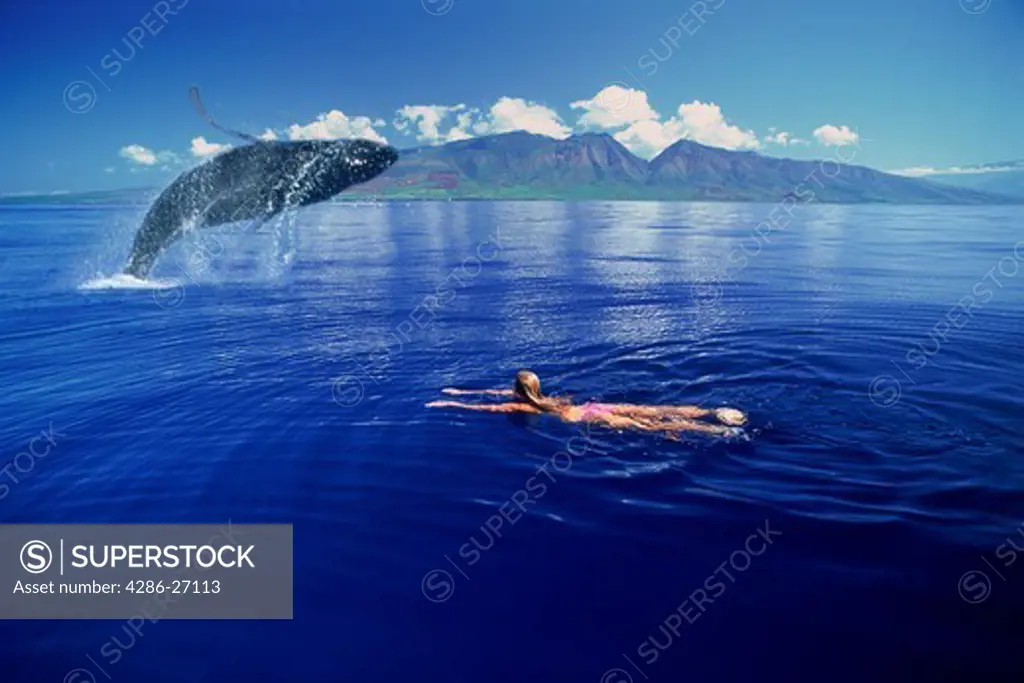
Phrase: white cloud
x=705 y=123
x=145 y=157
x=138 y=154
x=918 y=171
x=268 y=135
x=427 y=120
x=432 y=123
x=782 y=138
x=463 y=122
x=641 y=128
x=109 y=169
x=834 y=136
x=614 y=107
x=701 y=122
x=514 y=113
x=335 y=124
x=201 y=148
x=647 y=139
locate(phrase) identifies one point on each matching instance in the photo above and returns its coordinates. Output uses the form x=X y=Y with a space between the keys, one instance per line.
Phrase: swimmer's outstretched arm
x=467 y=392
x=498 y=408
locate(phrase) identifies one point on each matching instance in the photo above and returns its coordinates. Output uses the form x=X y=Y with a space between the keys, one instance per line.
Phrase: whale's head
x=311 y=171
x=351 y=162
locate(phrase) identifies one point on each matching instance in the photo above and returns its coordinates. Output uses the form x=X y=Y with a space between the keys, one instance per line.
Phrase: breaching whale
x=253 y=182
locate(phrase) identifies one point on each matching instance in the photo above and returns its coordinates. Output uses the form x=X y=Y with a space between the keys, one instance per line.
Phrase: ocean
x=865 y=525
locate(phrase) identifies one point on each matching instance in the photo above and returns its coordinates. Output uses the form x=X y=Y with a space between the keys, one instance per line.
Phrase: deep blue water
x=223 y=400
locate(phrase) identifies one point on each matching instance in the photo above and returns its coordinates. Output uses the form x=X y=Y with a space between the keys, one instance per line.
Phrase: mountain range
x=1005 y=178
x=521 y=165
x=597 y=166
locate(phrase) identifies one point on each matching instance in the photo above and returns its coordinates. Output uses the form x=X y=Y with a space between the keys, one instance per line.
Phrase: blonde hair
x=527 y=387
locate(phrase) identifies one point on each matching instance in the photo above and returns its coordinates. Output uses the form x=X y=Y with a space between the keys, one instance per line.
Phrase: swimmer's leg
x=679 y=425
x=624 y=422
x=726 y=416
x=664 y=412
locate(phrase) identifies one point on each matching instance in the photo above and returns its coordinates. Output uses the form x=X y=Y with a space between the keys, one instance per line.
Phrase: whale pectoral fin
x=193 y=94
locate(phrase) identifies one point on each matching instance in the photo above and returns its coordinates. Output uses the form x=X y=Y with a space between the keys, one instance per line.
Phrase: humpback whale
x=253 y=182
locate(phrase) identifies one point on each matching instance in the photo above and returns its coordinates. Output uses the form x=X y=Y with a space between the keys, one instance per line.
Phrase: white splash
x=125 y=281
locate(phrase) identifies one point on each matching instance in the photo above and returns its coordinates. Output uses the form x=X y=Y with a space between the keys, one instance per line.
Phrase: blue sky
x=924 y=83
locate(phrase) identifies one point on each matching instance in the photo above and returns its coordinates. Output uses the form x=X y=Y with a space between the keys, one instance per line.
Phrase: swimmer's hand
x=730 y=416
x=444 y=404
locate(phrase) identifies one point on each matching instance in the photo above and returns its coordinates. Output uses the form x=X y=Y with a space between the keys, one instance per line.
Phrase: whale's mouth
x=364 y=160
x=389 y=156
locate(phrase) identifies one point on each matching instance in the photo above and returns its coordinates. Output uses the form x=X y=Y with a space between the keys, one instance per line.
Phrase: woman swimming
x=616 y=415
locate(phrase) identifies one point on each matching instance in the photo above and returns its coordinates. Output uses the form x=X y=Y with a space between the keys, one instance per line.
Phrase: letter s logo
x=36 y=557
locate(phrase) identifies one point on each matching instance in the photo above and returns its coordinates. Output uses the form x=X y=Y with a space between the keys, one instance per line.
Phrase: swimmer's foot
x=730 y=416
